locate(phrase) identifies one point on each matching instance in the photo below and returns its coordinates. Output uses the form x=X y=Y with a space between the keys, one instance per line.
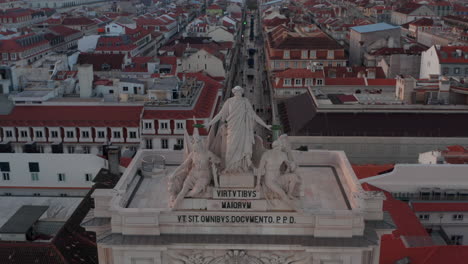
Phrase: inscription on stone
x=236 y=219
x=235 y=194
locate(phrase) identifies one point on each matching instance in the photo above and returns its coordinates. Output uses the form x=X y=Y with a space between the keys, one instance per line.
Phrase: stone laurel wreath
x=235 y=257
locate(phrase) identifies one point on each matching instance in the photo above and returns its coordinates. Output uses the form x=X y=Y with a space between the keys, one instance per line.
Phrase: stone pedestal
x=231 y=180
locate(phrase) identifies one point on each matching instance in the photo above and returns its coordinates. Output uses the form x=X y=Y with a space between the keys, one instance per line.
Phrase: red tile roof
x=407 y=223
x=366 y=171
x=13 y=44
x=408 y=8
x=347 y=72
x=77 y=21
x=422 y=22
x=389 y=82
x=203 y=107
x=439 y=207
x=449 y=54
x=63 y=30
x=115 y=61
x=345 y=81
x=73 y=116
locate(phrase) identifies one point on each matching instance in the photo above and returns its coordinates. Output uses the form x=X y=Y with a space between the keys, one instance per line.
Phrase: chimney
x=371 y=73
x=85 y=78
x=113 y=160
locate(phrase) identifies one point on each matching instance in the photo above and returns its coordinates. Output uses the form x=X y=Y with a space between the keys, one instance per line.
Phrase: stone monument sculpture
x=239 y=117
x=195 y=173
x=240 y=157
x=280 y=184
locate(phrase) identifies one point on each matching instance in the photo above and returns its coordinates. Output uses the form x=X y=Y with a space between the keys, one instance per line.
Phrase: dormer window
x=148 y=125
x=105 y=67
x=287 y=82
x=331 y=54
x=313 y=54
x=286 y=54
x=298 y=82
x=164 y=125
x=304 y=54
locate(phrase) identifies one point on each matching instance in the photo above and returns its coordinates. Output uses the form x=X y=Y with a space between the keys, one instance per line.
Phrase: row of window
x=303 y=64
x=34 y=170
x=455 y=217
x=305 y=54
x=69 y=134
x=456 y=70
x=35 y=176
x=298 y=82
x=164 y=143
x=162 y=125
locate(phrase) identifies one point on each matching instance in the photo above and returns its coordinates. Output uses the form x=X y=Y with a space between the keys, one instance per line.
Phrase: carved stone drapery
x=236 y=257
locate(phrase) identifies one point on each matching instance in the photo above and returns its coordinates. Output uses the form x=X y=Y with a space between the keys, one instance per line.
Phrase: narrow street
x=251 y=72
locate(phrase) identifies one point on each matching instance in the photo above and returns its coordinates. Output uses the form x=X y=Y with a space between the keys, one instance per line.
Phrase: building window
x=179 y=125
x=86 y=150
x=148 y=125
x=313 y=54
x=125 y=89
x=445 y=70
x=308 y=82
x=85 y=134
x=286 y=54
x=456 y=240
x=456 y=70
x=423 y=217
x=63 y=195
x=39 y=134
x=24 y=133
x=116 y=134
x=88 y=177
x=286 y=64
x=61 y=176
x=7 y=194
x=304 y=54
x=6 y=176
x=70 y=134
x=180 y=141
x=132 y=134
x=466 y=71
x=5 y=167
x=34 y=176
x=164 y=144
x=297 y=82
x=9 y=133
x=331 y=54
x=54 y=134
x=287 y=82
x=100 y=134
x=36 y=194
x=319 y=82
x=33 y=166
x=71 y=149
x=5 y=56
x=149 y=144
x=164 y=125
x=457 y=217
